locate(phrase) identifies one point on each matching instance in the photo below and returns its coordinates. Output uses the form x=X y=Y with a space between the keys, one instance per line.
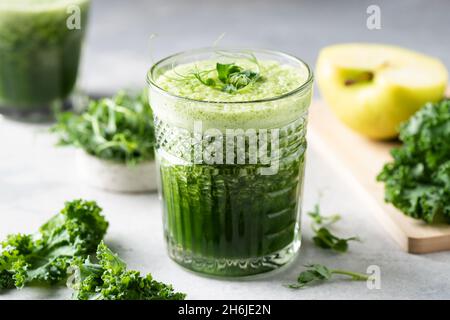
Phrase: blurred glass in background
x=40 y=48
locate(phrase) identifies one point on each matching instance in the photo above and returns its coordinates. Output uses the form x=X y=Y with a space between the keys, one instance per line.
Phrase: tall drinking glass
x=230 y=127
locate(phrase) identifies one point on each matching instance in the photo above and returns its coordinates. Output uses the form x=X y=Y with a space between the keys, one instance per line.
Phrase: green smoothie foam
x=276 y=80
x=39 y=54
x=228 y=219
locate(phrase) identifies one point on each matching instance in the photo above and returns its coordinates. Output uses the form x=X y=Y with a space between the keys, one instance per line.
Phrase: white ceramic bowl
x=116 y=177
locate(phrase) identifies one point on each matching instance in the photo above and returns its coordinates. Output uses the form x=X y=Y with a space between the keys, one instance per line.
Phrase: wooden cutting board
x=360 y=160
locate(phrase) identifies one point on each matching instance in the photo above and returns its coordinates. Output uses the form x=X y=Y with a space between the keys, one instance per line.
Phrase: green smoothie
x=234 y=215
x=40 y=46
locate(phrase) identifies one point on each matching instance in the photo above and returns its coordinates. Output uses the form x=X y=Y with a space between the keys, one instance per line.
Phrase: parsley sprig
x=326 y=240
x=323 y=237
x=318 y=273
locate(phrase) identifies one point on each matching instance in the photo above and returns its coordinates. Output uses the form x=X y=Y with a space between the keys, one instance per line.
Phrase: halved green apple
x=373 y=88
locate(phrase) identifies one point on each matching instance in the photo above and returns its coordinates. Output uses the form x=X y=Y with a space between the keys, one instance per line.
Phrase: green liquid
x=229 y=219
x=39 y=54
x=232 y=212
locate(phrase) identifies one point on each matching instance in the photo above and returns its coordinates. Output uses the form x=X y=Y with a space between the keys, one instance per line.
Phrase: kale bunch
x=109 y=279
x=44 y=258
x=418 y=180
x=119 y=129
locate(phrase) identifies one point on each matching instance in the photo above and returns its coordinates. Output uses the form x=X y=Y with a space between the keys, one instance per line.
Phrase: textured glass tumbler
x=231 y=216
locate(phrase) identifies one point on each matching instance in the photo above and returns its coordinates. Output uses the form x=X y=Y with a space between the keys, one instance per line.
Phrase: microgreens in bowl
x=119 y=129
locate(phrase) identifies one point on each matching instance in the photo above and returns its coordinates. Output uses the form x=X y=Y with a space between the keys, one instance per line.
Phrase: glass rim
x=152 y=82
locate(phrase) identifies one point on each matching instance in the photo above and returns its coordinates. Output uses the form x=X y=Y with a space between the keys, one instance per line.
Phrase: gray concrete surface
x=36 y=178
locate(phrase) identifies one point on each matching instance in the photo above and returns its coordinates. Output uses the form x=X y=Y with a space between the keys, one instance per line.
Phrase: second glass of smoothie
x=40 y=48
x=230 y=127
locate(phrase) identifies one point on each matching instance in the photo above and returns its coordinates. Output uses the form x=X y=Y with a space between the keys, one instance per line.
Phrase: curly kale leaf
x=119 y=129
x=43 y=258
x=13 y=265
x=418 y=180
x=110 y=280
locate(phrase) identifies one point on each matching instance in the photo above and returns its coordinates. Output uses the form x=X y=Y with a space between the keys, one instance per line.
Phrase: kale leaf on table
x=109 y=279
x=418 y=180
x=119 y=129
x=43 y=258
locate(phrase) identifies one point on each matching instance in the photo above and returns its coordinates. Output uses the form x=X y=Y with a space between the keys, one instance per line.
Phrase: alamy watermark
x=373 y=21
x=374 y=281
x=212 y=146
x=73 y=21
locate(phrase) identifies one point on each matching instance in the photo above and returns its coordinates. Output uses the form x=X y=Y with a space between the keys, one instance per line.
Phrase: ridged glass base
x=220 y=267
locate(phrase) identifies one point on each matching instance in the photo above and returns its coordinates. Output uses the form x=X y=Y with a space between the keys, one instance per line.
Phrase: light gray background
x=118 y=46
x=36 y=178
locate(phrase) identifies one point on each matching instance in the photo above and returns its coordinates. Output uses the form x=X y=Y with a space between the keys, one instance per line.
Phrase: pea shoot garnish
x=227 y=77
